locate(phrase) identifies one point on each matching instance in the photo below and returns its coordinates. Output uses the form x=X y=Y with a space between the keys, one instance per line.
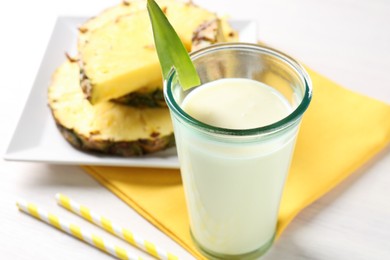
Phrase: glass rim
x=282 y=123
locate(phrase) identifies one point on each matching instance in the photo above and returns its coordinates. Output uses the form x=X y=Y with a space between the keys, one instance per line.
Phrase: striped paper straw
x=115 y=229
x=75 y=231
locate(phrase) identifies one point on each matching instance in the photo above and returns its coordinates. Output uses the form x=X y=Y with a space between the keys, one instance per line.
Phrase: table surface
x=345 y=40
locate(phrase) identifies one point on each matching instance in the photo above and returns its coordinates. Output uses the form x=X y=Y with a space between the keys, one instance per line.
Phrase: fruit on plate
x=118 y=57
x=105 y=127
x=118 y=46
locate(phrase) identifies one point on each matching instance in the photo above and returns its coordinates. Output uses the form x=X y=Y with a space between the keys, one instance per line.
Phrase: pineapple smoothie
x=233 y=190
x=235 y=136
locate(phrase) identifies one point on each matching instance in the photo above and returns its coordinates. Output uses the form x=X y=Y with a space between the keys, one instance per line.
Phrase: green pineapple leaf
x=171 y=51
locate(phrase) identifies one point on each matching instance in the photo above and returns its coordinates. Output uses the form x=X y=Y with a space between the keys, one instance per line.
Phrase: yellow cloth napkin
x=339 y=133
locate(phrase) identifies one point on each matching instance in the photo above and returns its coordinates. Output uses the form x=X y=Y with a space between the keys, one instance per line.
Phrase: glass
x=233 y=179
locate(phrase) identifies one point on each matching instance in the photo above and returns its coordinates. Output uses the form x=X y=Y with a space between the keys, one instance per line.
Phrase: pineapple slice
x=106 y=127
x=119 y=57
x=209 y=32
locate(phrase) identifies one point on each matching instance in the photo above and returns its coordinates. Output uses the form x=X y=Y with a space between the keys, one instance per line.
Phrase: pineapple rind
x=208 y=33
x=142 y=99
x=124 y=148
x=107 y=127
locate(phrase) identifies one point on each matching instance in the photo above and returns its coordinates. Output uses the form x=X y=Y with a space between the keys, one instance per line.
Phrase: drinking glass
x=233 y=178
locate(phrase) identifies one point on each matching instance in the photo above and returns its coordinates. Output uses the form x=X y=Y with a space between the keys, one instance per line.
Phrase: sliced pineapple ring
x=106 y=127
x=119 y=57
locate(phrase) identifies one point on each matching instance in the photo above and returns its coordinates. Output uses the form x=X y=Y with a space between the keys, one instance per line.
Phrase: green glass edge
x=292 y=118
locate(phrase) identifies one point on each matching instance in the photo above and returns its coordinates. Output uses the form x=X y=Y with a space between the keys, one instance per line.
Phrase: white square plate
x=36 y=138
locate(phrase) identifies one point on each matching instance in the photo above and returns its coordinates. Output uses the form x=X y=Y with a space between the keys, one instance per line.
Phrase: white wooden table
x=346 y=40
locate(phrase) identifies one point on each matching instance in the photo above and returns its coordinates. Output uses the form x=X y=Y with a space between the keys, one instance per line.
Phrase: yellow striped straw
x=115 y=229
x=75 y=231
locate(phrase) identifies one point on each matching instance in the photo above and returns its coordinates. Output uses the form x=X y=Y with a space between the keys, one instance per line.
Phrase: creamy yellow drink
x=233 y=193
